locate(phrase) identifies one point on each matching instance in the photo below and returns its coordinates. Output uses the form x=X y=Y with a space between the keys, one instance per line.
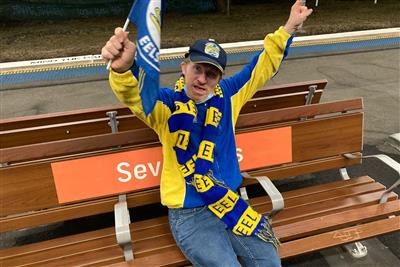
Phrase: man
x=195 y=122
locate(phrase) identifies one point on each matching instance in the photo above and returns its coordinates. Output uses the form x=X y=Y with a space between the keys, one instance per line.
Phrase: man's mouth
x=199 y=88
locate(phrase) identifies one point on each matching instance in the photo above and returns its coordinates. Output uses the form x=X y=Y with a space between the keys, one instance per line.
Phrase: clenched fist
x=298 y=14
x=120 y=50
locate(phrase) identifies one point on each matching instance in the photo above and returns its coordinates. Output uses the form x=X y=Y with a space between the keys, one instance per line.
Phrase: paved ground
x=373 y=75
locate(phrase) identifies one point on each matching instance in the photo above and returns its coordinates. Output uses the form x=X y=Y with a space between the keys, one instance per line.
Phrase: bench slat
x=281 y=172
x=334 y=238
x=96 y=113
x=78 y=145
x=314 y=197
x=324 y=207
x=323 y=188
x=106 y=236
x=73 y=211
x=336 y=221
x=294 y=113
x=290 y=88
x=173 y=256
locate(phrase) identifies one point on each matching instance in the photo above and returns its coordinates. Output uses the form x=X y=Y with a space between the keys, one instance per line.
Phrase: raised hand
x=120 y=50
x=298 y=14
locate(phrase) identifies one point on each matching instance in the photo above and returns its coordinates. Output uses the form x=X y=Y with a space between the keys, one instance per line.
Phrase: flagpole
x=124 y=29
x=300 y=27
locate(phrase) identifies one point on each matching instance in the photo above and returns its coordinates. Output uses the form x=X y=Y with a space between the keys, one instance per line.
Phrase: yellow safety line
x=297 y=44
x=355 y=39
x=51 y=68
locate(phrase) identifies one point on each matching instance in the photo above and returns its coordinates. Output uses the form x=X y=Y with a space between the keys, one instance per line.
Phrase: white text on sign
x=139 y=171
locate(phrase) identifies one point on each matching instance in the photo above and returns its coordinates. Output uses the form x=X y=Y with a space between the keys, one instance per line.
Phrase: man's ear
x=183 y=67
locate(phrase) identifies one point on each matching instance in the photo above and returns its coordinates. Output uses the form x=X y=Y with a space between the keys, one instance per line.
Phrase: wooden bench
x=28 y=141
x=86 y=132
x=80 y=123
x=323 y=136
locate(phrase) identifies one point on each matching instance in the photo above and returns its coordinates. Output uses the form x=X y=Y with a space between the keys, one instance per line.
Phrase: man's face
x=200 y=79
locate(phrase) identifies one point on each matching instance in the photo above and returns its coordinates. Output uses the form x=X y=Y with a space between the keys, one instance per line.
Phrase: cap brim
x=199 y=58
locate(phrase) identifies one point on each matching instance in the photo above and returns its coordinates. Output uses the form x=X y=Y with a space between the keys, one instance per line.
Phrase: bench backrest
x=87 y=122
x=321 y=134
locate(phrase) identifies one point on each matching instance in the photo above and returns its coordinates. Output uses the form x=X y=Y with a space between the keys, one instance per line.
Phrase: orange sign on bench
x=139 y=169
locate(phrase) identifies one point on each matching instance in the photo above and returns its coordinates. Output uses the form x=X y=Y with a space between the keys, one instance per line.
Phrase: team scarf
x=195 y=167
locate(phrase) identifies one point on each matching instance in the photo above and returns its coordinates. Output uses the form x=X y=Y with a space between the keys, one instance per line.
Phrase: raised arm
x=243 y=85
x=123 y=80
x=298 y=14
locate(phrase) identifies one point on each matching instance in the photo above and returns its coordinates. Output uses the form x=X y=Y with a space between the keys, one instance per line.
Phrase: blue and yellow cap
x=207 y=51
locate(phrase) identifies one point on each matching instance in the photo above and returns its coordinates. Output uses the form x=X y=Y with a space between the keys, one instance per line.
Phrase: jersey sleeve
x=242 y=86
x=126 y=87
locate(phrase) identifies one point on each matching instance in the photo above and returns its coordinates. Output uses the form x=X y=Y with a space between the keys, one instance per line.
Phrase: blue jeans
x=206 y=241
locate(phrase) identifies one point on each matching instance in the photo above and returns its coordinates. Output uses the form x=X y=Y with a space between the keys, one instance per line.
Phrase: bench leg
x=122 y=230
x=344 y=174
x=243 y=193
x=385 y=159
x=357 y=250
x=309 y=97
x=274 y=194
x=121 y=212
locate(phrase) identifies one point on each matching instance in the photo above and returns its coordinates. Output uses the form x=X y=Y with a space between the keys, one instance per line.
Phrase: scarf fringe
x=266 y=234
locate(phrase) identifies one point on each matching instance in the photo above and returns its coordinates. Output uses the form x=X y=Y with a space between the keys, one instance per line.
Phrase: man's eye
x=212 y=75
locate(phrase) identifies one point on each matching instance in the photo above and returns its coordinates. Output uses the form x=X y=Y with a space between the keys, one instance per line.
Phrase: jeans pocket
x=180 y=216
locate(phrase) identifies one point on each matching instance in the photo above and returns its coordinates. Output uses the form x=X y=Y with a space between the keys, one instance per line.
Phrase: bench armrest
x=389 y=162
x=276 y=196
x=122 y=230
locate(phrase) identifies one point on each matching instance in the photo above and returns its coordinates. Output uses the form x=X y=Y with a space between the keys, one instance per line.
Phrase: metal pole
x=113 y=123
x=124 y=29
x=300 y=28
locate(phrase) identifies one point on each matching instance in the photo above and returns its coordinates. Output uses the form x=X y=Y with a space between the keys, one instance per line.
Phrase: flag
x=146 y=15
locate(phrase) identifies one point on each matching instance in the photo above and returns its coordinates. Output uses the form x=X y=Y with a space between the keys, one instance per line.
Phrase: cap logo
x=212 y=49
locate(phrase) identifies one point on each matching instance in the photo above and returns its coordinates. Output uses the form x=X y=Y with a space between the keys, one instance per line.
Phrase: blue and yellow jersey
x=237 y=90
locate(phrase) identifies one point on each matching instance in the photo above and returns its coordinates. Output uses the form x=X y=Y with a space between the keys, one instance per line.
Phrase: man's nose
x=202 y=78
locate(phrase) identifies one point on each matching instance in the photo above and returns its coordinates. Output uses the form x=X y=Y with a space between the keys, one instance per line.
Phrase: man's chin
x=198 y=97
